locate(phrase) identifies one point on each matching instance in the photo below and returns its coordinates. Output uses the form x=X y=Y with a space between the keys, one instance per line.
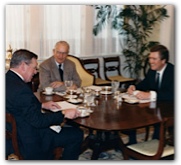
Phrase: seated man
x=51 y=75
x=36 y=140
x=149 y=88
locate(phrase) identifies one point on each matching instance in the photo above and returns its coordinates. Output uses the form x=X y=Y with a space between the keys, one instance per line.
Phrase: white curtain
x=39 y=27
x=108 y=41
x=16 y=26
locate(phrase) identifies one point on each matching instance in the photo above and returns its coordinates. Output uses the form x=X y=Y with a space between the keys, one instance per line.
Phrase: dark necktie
x=61 y=72
x=157 y=81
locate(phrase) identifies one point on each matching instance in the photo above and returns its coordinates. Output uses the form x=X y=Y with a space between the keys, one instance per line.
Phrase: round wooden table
x=109 y=116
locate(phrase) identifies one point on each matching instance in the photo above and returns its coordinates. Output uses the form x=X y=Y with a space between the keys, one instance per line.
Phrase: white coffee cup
x=83 y=111
x=48 y=90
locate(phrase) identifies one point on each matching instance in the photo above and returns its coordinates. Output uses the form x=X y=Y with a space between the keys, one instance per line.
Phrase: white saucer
x=132 y=101
x=71 y=96
x=125 y=95
x=48 y=93
x=60 y=93
x=84 y=115
x=90 y=111
x=106 y=92
x=75 y=101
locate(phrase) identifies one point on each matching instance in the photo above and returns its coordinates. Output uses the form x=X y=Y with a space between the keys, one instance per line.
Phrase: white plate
x=71 y=96
x=131 y=101
x=60 y=93
x=82 y=108
x=125 y=95
x=75 y=101
x=48 y=93
x=106 y=92
x=84 y=115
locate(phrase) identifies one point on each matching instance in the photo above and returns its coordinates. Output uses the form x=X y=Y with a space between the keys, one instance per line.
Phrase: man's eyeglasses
x=63 y=53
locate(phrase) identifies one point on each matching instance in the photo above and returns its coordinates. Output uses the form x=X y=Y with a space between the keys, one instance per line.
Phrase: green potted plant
x=135 y=23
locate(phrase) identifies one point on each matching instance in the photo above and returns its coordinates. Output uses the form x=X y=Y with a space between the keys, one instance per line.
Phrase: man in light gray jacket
x=49 y=72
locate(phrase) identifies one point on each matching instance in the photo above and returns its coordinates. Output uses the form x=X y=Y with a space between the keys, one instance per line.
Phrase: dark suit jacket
x=34 y=134
x=166 y=91
x=49 y=73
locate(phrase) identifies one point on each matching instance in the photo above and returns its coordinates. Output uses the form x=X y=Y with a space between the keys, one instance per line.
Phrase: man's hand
x=71 y=113
x=131 y=89
x=143 y=95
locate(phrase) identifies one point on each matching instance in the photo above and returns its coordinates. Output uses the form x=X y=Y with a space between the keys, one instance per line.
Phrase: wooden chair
x=93 y=66
x=86 y=77
x=11 y=134
x=152 y=149
x=34 y=82
x=112 y=71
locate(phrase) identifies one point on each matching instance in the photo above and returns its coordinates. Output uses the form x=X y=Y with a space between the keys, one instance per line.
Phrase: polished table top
x=108 y=115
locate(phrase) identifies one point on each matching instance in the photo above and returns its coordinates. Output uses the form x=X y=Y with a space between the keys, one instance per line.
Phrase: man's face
x=155 y=61
x=30 y=70
x=60 y=53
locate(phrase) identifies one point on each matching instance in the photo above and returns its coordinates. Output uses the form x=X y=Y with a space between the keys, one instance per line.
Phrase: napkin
x=94 y=87
x=56 y=128
x=132 y=98
x=64 y=105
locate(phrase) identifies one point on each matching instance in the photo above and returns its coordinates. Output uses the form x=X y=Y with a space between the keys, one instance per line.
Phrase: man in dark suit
x=149 y=87
x=36 y=140
x=158 y=60
x=49 y=72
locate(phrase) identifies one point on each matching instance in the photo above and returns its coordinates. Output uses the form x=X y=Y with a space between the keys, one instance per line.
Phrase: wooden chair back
x=111 y=64
x=112 y=71
x=93 y=66
x=12 y=134
x=34 y=82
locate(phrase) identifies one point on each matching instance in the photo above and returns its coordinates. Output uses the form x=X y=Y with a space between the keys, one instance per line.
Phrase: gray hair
x=22 y=55
x=63 y=43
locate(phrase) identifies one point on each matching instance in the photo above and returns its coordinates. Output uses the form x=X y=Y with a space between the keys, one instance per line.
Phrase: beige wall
x=167 y=32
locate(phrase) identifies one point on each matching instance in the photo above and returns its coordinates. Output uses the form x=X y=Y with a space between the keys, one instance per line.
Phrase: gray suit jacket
x=48 y=72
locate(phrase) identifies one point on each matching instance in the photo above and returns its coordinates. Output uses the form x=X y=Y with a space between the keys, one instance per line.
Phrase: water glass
x=68 y=84
x=115 y=85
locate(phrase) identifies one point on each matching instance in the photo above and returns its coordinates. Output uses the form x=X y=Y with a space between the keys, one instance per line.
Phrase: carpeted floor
x=112 y=154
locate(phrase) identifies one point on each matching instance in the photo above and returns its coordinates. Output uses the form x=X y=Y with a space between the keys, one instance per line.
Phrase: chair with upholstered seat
x=85 y=76
x=112 y=71
x=152 y=149
x=12 y=141
x=93 y=66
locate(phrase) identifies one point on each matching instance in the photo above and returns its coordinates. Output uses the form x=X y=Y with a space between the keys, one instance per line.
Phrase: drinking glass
x=68 y=84
x=90 y=101
x=115 y=85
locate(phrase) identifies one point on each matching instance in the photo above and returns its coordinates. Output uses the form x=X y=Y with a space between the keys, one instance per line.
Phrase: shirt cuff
x=153 y=96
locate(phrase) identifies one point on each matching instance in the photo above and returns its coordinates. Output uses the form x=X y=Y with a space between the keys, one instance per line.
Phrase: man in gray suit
x=51 y=75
